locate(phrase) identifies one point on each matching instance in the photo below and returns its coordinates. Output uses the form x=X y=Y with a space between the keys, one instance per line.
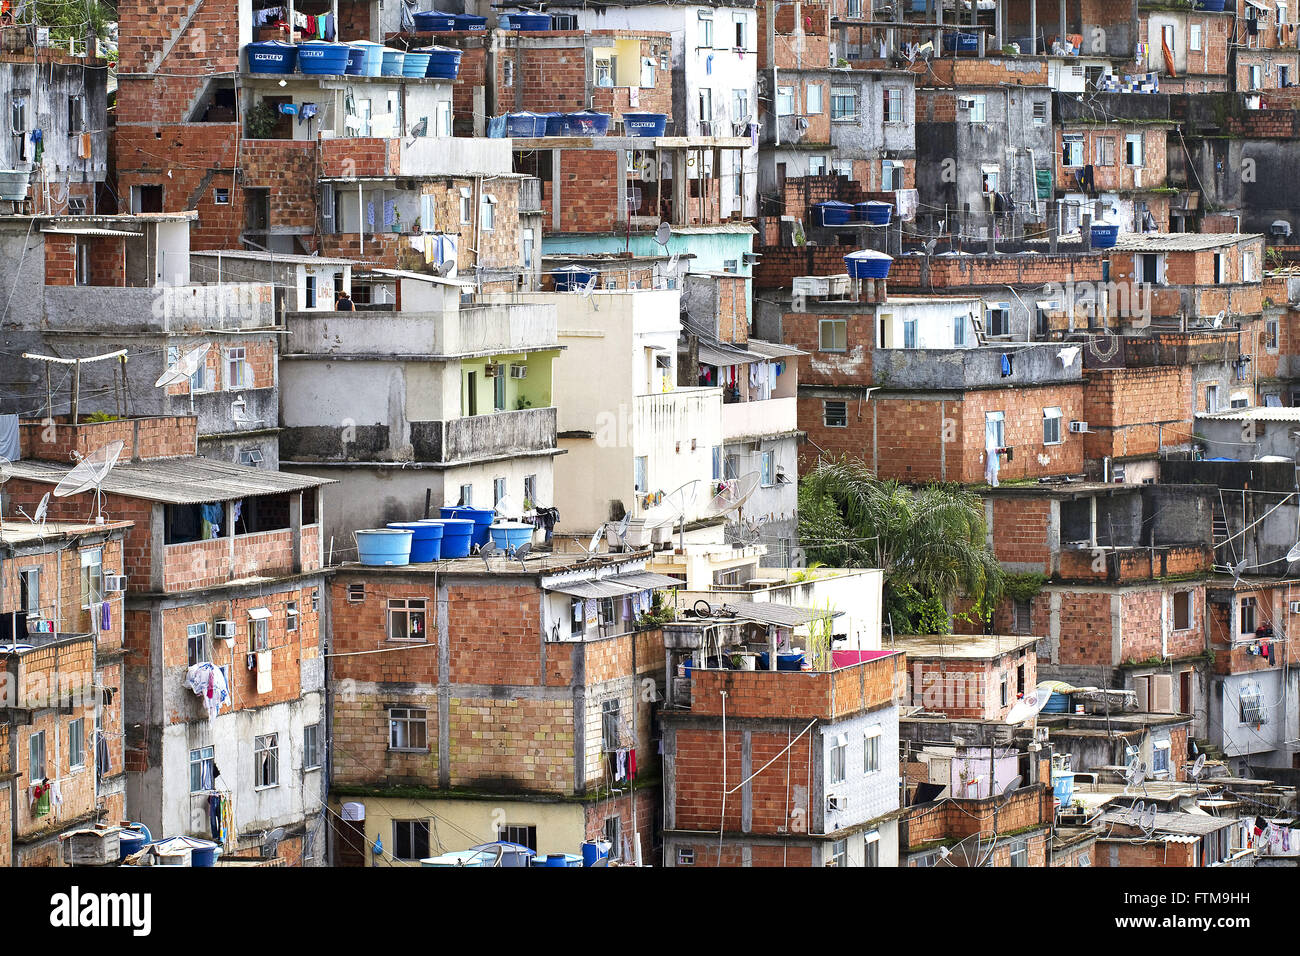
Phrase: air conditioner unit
x=519 y=371
x=1295 y=607
x=751 y=258
x=834 y=802
x=492 y=370
x=224 y=629
x=1079 y=428
x=115 y=582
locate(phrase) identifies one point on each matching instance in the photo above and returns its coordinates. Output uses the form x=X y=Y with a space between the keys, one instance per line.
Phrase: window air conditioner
x=115 y=582
x=1295 y=607
x=519 y=371
x=224 y=629
x=1079 y=428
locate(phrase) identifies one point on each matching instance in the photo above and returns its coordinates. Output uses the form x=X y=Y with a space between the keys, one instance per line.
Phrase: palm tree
x=928 y=540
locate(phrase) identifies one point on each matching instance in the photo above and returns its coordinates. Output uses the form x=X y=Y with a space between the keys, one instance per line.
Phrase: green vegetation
x=929 y=541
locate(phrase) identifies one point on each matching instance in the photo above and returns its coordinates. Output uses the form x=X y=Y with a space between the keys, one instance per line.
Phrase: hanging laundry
x=103 y=760
x=85 y=147
x=631 y=764
x=1006 y=365
x=105 y=616
x=306 y=112
x=56 y=793
x=214 y=816
x=209 y=683
x=38 y=144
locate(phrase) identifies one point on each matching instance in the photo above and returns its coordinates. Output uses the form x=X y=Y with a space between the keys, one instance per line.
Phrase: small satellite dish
x=1030 y=705
x=42 y=510
x=184 y=367
x=1294 y=553
x=446 y=267
x=1147 y=820
x=663 y=233
x=1135 y=775
x=1014 y=785
x=928 y=246
x=90 y=473
x=588 y=287
x=522 y=551
x=1218 y=319
x=1236 y=571
x=488 y=550
x=1197 y=769
x=733 y=495
x=591 y=551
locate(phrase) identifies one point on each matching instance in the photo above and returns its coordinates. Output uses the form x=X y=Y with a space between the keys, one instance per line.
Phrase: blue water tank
x=1104 y=235
x=434 y=21
x=525 y=124
x=645 y=124
x=319 y=58
x=467 y=21
x=868 y=264
x=525 y=21
x=273 y=56
x=833 y=212
x=444 y=62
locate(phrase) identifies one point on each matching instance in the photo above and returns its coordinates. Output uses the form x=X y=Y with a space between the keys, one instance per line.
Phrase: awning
x=89 y=231
x=723 y=356
x=765 y=612
x=603 y=588
x=258 y=613
x=644 y=580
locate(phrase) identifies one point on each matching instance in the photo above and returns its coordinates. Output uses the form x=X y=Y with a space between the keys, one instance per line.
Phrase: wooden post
x=76 y=389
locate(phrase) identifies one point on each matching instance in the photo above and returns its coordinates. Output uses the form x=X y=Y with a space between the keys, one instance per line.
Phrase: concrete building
x=61 y=684
x=224 y=578
x=968 y=676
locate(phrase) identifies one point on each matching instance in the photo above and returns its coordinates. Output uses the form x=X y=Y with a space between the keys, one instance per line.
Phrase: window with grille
x=835 y=414
x=523 y=834
x=1040 y=112
x=408 y=729
x=1252 y=703
x=844 y=103
x=1021 y=617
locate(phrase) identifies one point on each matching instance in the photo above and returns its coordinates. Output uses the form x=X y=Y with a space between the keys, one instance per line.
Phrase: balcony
x=973 y=368
x=775 y=416
x=498 y=435
x=196 y=564
x=863 y=684
x=497 y=328
x=50 y=670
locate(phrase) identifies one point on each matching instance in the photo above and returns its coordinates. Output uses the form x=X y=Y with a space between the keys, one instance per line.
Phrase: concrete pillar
x=157 y=546
x=295 y=527
x=1033 y=28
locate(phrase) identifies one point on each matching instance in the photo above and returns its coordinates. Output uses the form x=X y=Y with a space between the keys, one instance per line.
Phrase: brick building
x=61 y=684
x=223 y=566
x=502 y=699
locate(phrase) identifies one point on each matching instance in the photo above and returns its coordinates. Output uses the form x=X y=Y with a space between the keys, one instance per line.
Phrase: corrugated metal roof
x=764 y=612
x=179 y=481
x=91 y=231
x=642 y=580
x=287 y=258
x=1267 y=413
x=773 y=349
x=727 y=355
x=593 y=588
x=734 y=228
x=1178 y=241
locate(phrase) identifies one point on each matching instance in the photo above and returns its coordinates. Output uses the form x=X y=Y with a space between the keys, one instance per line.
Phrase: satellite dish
x=1198 y=768
x=1236 y=571
x=1135 y=775
x=184 y=367
x=487 y=550
x=42 y=509
x=674 y=507
x=1218 y=319
x=1147 y=820
x=751 y=529
x=929 y=245
x=733 y=495
x=522 y=551
x=591 y=551
x=1014 y=785
x=90 y=473
x=1294 y=553
x=446 y=267
x=663 y=233
x=588 y=288
x=1030 y=705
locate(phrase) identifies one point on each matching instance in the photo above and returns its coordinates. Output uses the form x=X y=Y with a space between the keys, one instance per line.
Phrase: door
x=471 y=393
x=1185 y=692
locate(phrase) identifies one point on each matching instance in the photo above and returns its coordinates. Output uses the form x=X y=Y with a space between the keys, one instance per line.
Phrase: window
x=614 y=835
x=813 y=99
x=203 y=765
x=609 y=721
x=1051 y=426
x=196 y=643
x=259 y=638
x=837 y=754
x=311 y=292
x=1072 y=149
x=76 y=114
x=1133 y=150
x=406 y=619
x=891 y=174
x=843 y=167
x=29 y=591
x=498 y=490
x=1212 y=400
x=356 y=593
x=526 y=245
x=92 y=577
x=466 y=494
x=844 y=103
x=18 y=114
x=1256 y=80
x=466 y=206
x=522 y=834
x=784 y=100
x=835 y=414
x=1022 y=619
x=909 y=333
x=266 y=761
x=816 y=165
x=291 y=616
x=766 y=469
x=1020 y=853
x=639 y=480
x=236 y=367
x=1150 y=267
x=994 y=423
x=1247 y=615
x=221 y=196
x=408 y=729
x=833 y=335
x=871 y=751
x=76 y=206
x=1270 y=335
x=959 y=331
x=892 y=104
x=1104 y=150
x=871 y=848
x=311 y=747
x=742 y=32
x=706 y=109
x=530 y=491
x=1183 y=615
x=731 y=467
x=740 y=109
x=839 y=853
x=1040 y=112
x=607 y=612
x=251 y=456
x=488 y=212
x=77 y=743
x=686 y=856
x=36 y=756
x=410 y=839
x=1194 y=37
x=604 y=70
x=1160 y=758
x=974 y=107
x=706 y=29
x=999 y=320
x=577 y=618
x=1252 y=703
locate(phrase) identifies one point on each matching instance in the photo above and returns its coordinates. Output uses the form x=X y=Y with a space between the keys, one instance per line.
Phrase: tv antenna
x=90 y=472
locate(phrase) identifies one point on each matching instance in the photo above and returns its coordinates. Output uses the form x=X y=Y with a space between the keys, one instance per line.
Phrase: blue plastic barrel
x=319 y=58
x=1104 y=236
x=482 y=518
x=868 y=264
x=525 y=124
x=1214 y=6
x=586 y=123
x=833 y=212
x=525 y=21
x=645 y=124
x=377 y=547
x=874 y=212
x=594 y=850
x=1057 y=703
x=961 y=42
x=415 y=64
x=393 y=61
x=365 y=58
x=444 y=62
x=467 y=21
x=508 y=535
x=272 y=56
x=426 y=540
x=457 y=537
x=133 y=839
x=204 y=853
x=434 y=21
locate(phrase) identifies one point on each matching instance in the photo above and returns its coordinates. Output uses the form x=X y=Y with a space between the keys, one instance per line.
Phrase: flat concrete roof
x=966 y=646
